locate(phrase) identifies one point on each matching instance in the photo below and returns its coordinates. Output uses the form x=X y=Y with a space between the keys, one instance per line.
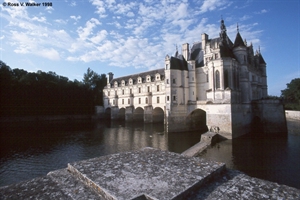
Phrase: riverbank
x=48 y=118
x=147 y=174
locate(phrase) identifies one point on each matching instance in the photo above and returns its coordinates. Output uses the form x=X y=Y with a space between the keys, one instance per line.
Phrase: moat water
x=29 y=150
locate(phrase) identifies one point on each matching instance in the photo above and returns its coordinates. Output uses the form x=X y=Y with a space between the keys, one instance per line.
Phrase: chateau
x=216 y=84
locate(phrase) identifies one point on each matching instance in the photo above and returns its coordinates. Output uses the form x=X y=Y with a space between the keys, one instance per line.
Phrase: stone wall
x=292 y=114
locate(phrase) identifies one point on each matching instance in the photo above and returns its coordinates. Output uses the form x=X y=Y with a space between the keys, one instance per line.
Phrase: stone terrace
x=147 y=174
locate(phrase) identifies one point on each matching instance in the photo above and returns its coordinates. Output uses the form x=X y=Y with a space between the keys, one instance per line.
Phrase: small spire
x=259 y=49
x=237 y=27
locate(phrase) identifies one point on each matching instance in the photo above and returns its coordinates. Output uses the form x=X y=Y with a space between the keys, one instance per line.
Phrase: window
x=168 y=98
x=139 y=90
x=122 y=91
x=130 y=91
x=108 y=93
x=128 y=101
x=146 y=100
x=217 y=79
x=139 y=100
x=207 y=77
x=174 y=98
x=148 y=88
x=174 y=80
x=157 y=88
x=157 y=99
x=167 y=81
x=216 y=56
x=122 y=101
x=113 y=102
x=116 y=92
x=226 y=78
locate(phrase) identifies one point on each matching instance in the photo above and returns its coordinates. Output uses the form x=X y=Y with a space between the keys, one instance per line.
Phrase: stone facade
x=216 y=84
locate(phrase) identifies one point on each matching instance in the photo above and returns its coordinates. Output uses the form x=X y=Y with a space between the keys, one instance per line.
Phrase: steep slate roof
x=197 y=54
x=261 y=59
x=238 y=41
x=179 y=64
x=143 y=75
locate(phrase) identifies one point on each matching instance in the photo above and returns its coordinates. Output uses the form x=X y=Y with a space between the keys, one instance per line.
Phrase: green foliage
x=96 y=83
x=291 y=95
x=25 y=93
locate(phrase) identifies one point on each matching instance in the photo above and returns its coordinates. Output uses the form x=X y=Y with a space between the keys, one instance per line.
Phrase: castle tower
x=240 y=52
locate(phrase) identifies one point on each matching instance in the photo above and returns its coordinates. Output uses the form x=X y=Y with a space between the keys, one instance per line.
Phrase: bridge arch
x=107 y=113
x=197 y=120
x=121 y=114
x=138 y=114
x=158 y=115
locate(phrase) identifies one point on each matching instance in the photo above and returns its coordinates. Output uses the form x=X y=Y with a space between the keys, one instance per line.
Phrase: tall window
x=122 y=91
x=168 y=98
x=226 y=78
x=130 y=91
x=108 y=94
x=157 y=88
x=128 y=101
x=122 y=101
x=167 y=81
x=157 y=100
x=174 y=80
x=207 y=77
x=146 y=100
x=148 y=88
x=217 y=79
x=174 y=98
x=139 y=100
x=116 y=92
x=139 y=90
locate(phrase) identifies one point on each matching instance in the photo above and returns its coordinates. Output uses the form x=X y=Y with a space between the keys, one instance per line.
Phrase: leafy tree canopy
x=291 y=95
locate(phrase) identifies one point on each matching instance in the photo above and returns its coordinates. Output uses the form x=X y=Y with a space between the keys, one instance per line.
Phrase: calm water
x=30 y=150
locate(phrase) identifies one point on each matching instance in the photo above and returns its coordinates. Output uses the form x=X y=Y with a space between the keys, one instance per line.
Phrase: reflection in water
x=274 y=158
x=30 y=150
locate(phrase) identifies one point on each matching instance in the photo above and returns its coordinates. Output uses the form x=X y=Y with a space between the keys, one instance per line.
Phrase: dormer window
x=139 y=80
x=130 y=81
x=116 y=84
x=148 y=78
x=123 y=83
x=157 y=76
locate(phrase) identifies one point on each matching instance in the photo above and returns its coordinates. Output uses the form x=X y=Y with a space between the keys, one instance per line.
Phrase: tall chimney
x=185 y=51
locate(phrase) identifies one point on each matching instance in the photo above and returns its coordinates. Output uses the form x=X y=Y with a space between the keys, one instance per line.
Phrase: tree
x=291 y=95
x=96 y=83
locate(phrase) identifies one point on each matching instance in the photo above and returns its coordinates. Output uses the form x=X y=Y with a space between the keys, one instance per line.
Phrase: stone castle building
x=216 y=84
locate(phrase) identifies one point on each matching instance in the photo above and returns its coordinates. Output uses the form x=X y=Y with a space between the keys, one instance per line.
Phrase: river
x=29 y=150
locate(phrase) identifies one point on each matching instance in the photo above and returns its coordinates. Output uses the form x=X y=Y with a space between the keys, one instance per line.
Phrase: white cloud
x=41 y=19
x=75 y=18
x=100 y=6
x=88 y=29
x=245 y=17
x=210 y=5
x=130 y=14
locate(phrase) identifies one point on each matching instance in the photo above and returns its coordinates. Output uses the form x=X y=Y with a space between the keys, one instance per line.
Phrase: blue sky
x=126 y=37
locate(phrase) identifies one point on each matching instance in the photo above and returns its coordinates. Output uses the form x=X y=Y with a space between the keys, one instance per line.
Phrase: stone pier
x=149 y=174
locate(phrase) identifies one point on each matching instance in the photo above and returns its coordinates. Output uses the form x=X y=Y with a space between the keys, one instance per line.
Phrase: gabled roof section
x=238 y=41
x=142 y=75
x=179 y=64
x=197 y=54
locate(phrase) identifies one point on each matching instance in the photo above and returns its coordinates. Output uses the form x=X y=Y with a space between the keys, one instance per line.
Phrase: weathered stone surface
x=73 y=187
x=38 y=188
x=156 y=174
x=236 y=185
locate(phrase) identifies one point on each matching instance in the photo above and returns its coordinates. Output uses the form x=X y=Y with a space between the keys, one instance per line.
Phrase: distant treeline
x=25 y=93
